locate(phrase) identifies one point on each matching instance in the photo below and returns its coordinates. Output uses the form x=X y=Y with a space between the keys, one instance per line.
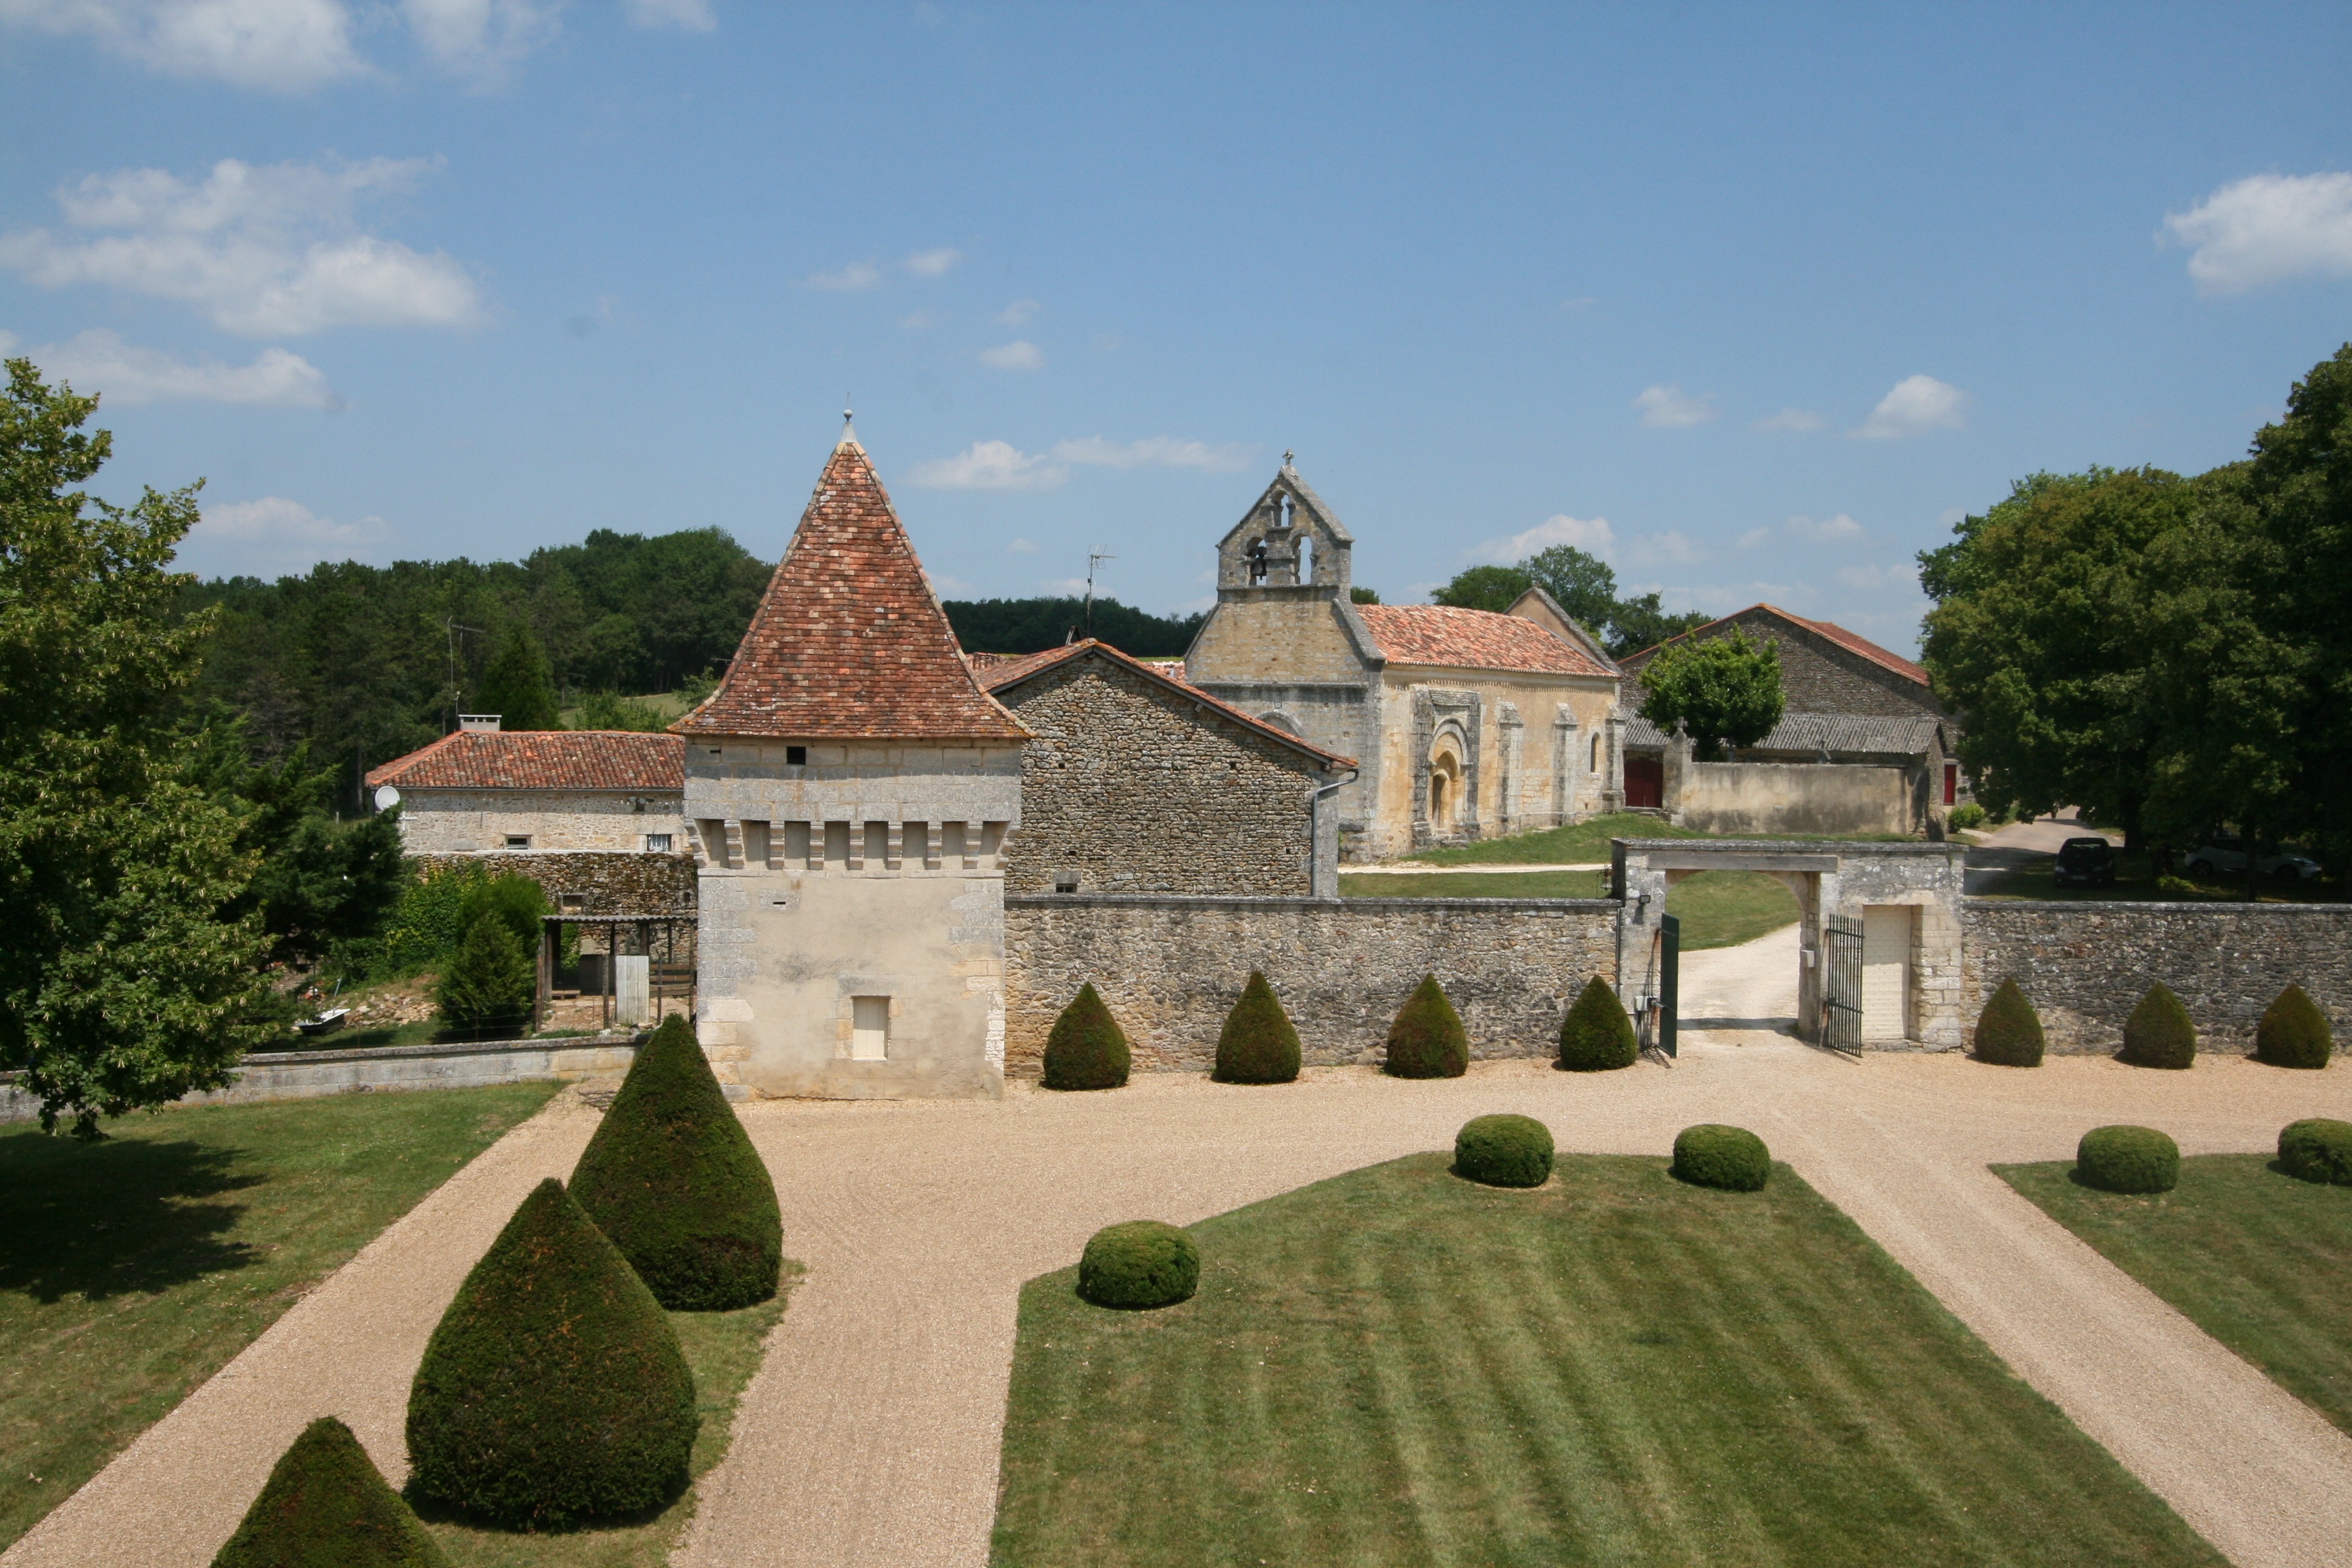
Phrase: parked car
x=2220 y=857
x=2086 y=862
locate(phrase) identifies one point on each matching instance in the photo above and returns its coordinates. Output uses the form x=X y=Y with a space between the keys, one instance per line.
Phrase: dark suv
x=2086 y=862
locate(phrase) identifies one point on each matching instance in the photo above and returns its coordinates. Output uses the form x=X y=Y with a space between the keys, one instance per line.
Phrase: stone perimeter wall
x=605 y=883
x=1172 y=968
x=2085 y=965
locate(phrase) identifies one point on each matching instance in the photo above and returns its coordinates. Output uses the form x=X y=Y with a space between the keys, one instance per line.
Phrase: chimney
x=479 y=723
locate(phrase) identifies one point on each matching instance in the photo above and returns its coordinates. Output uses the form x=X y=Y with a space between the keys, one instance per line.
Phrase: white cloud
x=693 y=16
x=1021 y=547
x=1797 y=419
x=1157 y=451
x=857 y=274
x=1917 y=405
x=1754 y=537
x=934 y=263
x=1592 y=534
x=479 y=37
x=1019 y=354
x=273 y=535
x=1873 y=579
x=1019 y=313
x=2266 y=229
x=280 y=46
x=991 y=466
x=99 y=361
x=1824 y=530
x=261 y=250
x=1670 y=408
x=1672 y=545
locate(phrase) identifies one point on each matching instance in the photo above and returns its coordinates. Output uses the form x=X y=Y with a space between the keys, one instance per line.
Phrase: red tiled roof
x=540 y=759
x=1852 y=642
x=1471 y=639
x=849 y=642
x=1014 y=672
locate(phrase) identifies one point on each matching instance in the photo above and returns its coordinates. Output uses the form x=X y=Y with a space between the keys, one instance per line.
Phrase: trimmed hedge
x=1596 y=1036
x=1504 y=1150
x=1731 y=1158
x=1427 y=1039
x=2158 y=1032
x=2317 y=1150
x=2293 y=1032
x=1138 y=1264
x=2008 y=1032
x=672 y=1178
x=1258 y=1044
x=326 y=1506
x=1087 y=1049
x=2127 y=1159
x=554 y=1390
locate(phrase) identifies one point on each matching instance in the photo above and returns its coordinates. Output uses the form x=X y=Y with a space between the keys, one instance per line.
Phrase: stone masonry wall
x=1816 y=674
x=1171 y=969
x=2085 y=965
x=1130 y=788
x=462 y=821
x=606 y=884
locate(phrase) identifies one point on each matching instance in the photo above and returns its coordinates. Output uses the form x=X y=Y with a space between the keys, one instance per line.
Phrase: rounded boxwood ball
x=1597 y=1035
x=2293 y=1032
x=1731 y=1158
x=1504 y=1150
x=1258 y=1044
x=2317 y=1150
x=2158 y=1032
x=326 y=1506
x=2008 y=1032
x=1427 y=1039
x=1087 y=1049
x=1139 y=1264
x=2128 y=1160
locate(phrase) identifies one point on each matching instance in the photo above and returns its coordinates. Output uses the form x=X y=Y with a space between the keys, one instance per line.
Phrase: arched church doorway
x=1444 y=791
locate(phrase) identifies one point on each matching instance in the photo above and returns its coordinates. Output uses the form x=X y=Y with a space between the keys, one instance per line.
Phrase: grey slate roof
x=1813 y=733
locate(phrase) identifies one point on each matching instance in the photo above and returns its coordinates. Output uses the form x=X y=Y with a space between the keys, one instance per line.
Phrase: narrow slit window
x=869 y=1038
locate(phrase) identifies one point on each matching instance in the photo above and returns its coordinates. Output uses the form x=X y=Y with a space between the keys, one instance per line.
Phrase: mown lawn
x=1395 y=1366
x=2251 y=1255
x=1576 y=844
x=133 y=1269
x=1723 y=908
x=723 y=1348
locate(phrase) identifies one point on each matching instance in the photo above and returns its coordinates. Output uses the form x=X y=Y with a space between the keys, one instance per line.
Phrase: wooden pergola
x=674 y=978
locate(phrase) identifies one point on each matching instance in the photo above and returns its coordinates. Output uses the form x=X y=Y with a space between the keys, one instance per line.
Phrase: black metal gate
x=1842 y=982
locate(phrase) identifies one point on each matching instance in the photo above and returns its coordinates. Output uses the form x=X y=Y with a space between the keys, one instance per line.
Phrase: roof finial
x=1287 y=455
x=848 y=431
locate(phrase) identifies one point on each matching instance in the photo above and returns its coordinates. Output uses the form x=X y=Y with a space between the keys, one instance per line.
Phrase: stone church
x=1467 y=723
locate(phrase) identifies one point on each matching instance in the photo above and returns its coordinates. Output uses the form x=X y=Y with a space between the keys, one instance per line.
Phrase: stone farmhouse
x=479 y=790
x=1468 y=724
x=1863 y=747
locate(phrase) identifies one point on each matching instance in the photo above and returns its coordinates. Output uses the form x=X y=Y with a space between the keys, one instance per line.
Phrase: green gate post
x=1670 y=941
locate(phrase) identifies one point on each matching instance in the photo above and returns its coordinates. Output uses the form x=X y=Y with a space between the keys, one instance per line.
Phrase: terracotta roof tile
x=1015 y=672
x=540 y=759
x=849 y=642
x=1471 y=639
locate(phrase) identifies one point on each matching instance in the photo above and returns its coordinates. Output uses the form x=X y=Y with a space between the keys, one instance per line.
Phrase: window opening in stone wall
x=796 y=841
x=1307 y=561
x=1257 y=560
x=1444 y=791
x=657 y=843
x=796 y=756
x=518 y=841
x=878 y=843
x=1066 y=881
x=755 y=844
x=1596 y=755
x=837 y=844
x=869 y=1036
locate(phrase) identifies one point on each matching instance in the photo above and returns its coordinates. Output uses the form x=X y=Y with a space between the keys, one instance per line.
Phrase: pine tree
x=516 y=685
x=490 y=982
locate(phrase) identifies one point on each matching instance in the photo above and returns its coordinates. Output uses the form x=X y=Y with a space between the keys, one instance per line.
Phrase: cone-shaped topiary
x=1141 y=1263
x=672 y=1178
x=1504 y=1150
x=2127 y=1159
x=1426 y=1041
x=1596 y=1034
x=554 y=1390
x=1087 y=1048
x=1258 y=1044
x=1731 y=1158
x=2293 y=1032
x=2008 y=1032
x=2158 y=1032
x=326 y=1506
x=2317 y=1150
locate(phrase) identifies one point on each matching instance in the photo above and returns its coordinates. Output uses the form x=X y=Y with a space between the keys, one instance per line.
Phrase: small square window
x=657 y=843
x=796 y=756
x=517 y=840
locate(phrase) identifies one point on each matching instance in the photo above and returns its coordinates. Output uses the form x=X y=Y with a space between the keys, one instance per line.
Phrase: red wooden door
x=1645 y=782
x=1951 y=783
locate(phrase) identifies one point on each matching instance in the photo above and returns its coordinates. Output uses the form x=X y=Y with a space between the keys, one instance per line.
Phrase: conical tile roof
x=849 y=642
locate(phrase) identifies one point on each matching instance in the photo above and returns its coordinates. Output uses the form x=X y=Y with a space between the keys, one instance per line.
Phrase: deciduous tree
x=1724 y=691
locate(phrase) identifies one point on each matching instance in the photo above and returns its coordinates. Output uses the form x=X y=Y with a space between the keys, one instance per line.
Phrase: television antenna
x=1093 y=556
x=453 y=628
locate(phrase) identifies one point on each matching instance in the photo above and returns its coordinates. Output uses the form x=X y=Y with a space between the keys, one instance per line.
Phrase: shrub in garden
x=1966 y=816
x=1087 y=1048
x=672 y=1180
x=2317 y=1150
x=1258 y=1044
x=2293 y=1032
x=1141 y=1263
x=2158 y=1032
x=553 y=1390
x=490 y=982
x=2008 y=1032
x=326 y=1506
x=1596 y=1034
x=1731 y=1158
x=1427 y=1040
x=2127 y=1159
x=1504 y=1150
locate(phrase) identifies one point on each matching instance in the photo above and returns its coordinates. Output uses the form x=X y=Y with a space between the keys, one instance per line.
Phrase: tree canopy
x=516 y=685
x=1723 y=690
x=1581 y=583
x=1033 y=626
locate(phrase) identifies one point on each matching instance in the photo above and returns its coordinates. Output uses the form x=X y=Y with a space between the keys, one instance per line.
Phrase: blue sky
x=1751 y=304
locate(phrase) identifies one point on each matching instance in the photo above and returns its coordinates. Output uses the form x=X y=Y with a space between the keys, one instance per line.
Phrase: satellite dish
x=386 y=797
